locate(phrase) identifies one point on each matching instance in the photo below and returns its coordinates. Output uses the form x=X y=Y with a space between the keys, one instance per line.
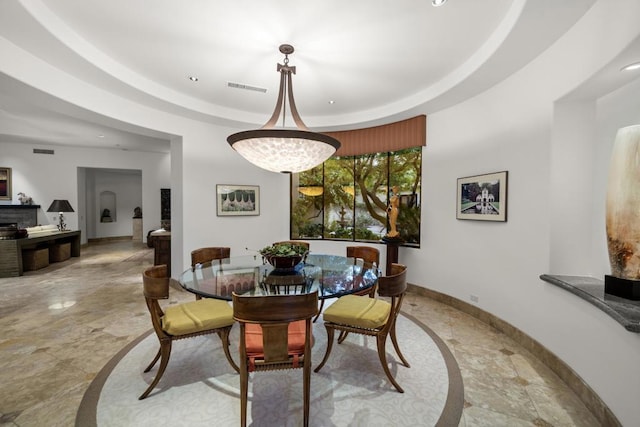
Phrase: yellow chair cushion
x=197 y=316
x=360 y=311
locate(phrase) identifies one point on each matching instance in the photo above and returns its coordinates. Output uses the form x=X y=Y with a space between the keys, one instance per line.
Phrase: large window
x=346 y=198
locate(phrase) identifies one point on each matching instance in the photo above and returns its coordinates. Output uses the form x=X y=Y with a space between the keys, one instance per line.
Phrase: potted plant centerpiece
x=284 y=255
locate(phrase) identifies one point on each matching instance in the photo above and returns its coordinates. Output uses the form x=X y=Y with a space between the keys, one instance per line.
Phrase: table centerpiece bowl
x=284 y=256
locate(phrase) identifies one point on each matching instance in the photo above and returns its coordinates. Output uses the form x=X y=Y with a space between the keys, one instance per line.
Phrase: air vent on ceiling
x=246 y=87
x=42 y=151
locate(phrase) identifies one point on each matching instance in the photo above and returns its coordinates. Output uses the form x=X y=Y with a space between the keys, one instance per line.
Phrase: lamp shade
x=60 y=206
x=282 y=150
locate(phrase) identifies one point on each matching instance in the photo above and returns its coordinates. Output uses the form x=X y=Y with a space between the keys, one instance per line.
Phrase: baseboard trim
x=585 y=393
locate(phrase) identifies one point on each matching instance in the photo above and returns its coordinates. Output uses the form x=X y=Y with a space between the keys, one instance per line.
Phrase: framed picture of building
x=5 y=183
x=237 y=200
x=482 y=197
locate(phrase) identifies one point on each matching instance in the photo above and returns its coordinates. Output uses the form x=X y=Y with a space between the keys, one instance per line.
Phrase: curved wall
x=557 y=154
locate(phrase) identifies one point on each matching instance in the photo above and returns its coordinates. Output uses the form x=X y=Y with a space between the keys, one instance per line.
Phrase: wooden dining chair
x=202 y=255
x=275 y=333
x=370 y=257
x=370 y=316
x=206 y=316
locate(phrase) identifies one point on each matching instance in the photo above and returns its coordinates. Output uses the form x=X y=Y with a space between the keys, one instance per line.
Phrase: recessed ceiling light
x=100 y=136
x=634 y=66
x=332 y=102
x=436 y=3
x=193 y=78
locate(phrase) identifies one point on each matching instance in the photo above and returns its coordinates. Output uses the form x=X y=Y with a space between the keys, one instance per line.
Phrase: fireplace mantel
x=22 y=215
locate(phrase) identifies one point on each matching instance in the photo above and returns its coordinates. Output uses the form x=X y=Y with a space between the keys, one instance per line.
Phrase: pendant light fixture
x=284 y=150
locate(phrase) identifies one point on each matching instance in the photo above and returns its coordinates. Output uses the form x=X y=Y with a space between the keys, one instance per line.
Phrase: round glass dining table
x=331 y=275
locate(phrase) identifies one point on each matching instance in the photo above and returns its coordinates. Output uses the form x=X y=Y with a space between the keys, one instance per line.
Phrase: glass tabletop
x=331 y=275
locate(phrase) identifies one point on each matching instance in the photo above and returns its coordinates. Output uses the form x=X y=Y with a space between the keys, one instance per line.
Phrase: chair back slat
x=394 y=284
x=275 y=308
x=275 y=341
x=202 y=255
x=155 y=282
x=368 y=254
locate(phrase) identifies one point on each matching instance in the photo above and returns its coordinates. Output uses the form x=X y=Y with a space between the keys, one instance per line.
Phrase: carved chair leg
x=307 y=389
x=394 y=340
x=244 y=393
x=165 y=350
x=224 y=337
x=153 y=362
x=382 y=340
x=330 y=334
x=319 y=310
x=342 y=336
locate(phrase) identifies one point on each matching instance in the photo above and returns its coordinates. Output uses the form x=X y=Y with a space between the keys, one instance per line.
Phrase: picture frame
x=482 y=197
x=237 y=200
x=5 y=184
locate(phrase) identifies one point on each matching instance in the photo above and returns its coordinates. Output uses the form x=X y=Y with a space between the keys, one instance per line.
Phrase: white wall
x=208 y=160
x=557 y=156
x=49 y=177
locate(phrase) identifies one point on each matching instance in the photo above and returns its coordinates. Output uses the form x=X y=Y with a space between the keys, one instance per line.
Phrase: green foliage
x=283 y=249
x=309 y=230
x=353 y=203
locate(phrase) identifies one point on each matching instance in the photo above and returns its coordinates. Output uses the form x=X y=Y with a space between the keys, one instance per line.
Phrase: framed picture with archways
x=5 y=183
x=237 y=200
x=483 y=197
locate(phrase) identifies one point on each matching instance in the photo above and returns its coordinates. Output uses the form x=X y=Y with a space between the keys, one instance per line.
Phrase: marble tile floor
x=61 y=324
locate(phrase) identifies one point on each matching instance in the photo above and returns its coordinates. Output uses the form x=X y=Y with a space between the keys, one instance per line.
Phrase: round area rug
x=199 y=388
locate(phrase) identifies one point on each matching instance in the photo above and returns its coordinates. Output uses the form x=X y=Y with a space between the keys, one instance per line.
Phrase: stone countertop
x=625 y=311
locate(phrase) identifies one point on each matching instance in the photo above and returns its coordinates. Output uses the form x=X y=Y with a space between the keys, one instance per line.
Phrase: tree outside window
x=346 y=198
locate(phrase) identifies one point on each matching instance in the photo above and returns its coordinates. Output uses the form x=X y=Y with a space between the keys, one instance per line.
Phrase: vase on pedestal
x=623 y=215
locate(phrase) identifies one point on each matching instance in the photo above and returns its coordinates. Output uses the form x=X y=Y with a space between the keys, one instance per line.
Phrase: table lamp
x=60 y=206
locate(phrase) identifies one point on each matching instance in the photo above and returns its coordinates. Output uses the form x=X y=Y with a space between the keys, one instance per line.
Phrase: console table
x=11 y=250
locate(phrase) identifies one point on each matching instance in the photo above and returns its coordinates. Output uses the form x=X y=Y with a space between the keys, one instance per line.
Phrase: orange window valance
x=380 y=139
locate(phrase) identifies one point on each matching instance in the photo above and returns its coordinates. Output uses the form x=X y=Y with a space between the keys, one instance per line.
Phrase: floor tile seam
x=525 y=388
x=557 y=382
x=468 y=373
x=538 y=409
x=502 y=414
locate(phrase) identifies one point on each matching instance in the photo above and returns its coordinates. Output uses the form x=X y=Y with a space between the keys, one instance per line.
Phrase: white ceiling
x=377 y=60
